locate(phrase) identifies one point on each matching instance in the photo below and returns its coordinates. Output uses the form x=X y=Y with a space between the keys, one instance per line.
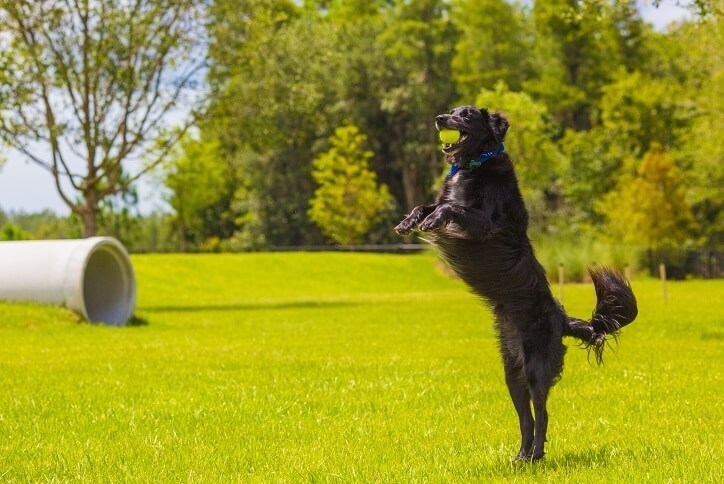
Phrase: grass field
x=303 y=367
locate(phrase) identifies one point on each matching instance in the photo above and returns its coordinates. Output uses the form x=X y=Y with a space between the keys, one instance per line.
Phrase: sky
x=26 y=187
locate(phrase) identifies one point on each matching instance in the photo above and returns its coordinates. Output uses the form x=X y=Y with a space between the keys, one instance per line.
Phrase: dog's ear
x=499 y=125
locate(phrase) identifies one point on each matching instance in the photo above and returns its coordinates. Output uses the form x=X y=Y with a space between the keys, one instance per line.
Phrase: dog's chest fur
x=463 y=189
x=488 y=263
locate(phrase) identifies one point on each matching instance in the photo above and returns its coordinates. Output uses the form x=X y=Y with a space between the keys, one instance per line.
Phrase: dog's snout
x=441 y=120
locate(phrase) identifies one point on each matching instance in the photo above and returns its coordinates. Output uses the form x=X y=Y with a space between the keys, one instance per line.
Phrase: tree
x=382 y=65
x=635 y=112
x=89 y=89
x=579 y=46
x=348 y=200
x=201 y=183
x=704 y=8
x=700 y=145
x=416 y=43
x=650 y=208
x=43 y=225
x=492 y=46
x=268 y=113
x=593 y=164
x=13 y=232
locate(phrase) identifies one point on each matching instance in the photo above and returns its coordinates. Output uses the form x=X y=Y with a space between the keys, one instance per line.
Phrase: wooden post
x=561 y=280
x=662 y=275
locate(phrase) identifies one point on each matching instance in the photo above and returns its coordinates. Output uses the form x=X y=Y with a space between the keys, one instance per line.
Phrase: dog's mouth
x=451 y=148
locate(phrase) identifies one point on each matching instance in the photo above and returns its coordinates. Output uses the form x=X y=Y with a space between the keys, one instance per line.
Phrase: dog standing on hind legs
x=479 y=226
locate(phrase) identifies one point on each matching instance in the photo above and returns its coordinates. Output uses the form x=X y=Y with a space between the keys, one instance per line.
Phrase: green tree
x=493 y=45
x=382 y=65
x=118 y=217
x=201 y=184
x=270 y=98
x=704 y=8
x=695 y=58
x=650 y=209
x=157 y=233
x=13 y=232
x=673 y=98
x=86 y=89
x=579 y=47
x=593 y=164
x=635 y=111
x=45 y=224
x=348 y=199
x=417 y=42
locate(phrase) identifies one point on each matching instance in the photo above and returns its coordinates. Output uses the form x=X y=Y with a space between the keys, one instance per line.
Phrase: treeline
x=615 y=128
x=153 y=232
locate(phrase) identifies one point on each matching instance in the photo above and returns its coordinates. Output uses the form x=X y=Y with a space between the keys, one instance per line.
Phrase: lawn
x=336 y=367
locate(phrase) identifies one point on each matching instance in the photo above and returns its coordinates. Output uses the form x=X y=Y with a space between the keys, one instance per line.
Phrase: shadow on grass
x=712 y=335
x=249 y=306
x=137 y=321
x=601 y=457
x=597 y=458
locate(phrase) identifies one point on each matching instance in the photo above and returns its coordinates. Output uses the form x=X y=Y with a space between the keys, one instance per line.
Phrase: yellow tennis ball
x=449 y=136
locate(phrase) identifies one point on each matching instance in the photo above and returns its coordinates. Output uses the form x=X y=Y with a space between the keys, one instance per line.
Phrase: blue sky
x=26 y=187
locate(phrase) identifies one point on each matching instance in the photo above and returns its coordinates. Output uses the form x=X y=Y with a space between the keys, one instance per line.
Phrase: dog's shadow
x=599 y=458
x=591 y=458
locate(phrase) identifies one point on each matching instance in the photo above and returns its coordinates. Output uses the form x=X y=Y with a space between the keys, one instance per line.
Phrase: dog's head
x=479 y=131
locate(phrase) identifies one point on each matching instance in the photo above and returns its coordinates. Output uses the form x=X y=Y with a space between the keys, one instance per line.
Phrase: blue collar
x=482 y=158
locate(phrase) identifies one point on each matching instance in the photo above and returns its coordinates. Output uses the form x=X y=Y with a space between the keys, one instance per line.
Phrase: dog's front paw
x=405 y=227
x=437 y=220
x=432 y=223
x=410 y=222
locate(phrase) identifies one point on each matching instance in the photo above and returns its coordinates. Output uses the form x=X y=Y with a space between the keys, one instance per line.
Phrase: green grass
x=345 y=368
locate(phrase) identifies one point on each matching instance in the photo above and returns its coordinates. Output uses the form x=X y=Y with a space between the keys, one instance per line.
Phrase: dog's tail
x=616 y=307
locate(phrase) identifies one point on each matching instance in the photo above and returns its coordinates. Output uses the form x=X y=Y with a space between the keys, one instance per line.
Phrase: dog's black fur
x=479 y=225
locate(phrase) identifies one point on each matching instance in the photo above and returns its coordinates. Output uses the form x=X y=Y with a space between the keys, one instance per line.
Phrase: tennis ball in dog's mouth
x=449 y=136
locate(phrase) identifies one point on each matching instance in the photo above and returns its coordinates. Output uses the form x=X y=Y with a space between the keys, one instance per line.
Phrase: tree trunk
x=89 y=214
x=409 y=184
x=434 y=153
x=89 y=219
x=182 y=246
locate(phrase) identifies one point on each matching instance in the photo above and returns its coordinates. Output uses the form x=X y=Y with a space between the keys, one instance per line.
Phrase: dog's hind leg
x=519 y=393
x=539 y=395
x=542 y=368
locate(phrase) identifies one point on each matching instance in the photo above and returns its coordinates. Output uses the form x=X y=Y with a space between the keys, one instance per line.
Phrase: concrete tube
x=93 y=277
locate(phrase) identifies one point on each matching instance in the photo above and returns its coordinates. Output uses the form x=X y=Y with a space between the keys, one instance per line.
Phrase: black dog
x=479 y=226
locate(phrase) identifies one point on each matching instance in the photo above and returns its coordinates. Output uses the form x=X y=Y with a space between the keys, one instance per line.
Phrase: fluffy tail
x=616 y=307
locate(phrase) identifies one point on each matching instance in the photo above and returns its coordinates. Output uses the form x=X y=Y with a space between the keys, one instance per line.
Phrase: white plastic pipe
x=93 y=277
